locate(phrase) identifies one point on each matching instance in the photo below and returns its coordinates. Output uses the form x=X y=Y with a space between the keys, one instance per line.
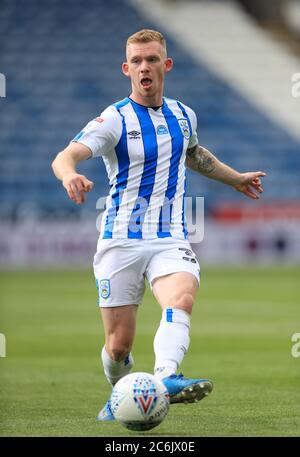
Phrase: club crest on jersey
x=184 y=125
x=162 y=130
x=104 y=288
x=145 y=399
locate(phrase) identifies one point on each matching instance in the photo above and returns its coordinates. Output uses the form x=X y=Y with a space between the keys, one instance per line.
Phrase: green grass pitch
x=51 y=382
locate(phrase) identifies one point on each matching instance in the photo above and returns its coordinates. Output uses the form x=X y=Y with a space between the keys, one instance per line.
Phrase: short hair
x=146 y=36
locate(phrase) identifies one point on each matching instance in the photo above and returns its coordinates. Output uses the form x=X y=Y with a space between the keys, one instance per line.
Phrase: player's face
x=146 y=66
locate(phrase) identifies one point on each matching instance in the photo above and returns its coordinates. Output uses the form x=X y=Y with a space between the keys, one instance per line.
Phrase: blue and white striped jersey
x=144 y=153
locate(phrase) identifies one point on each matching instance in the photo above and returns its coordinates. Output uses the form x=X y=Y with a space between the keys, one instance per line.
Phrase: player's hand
x=250 y=184
x=76 y=186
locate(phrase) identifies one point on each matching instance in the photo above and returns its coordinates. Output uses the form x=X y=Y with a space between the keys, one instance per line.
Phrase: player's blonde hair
x=147 y=35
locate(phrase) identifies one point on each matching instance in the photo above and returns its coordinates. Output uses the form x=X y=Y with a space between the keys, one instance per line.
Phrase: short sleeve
x=194 y=137
x=102 y=134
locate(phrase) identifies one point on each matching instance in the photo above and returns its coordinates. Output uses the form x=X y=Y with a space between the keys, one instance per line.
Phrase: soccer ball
x=139 y=401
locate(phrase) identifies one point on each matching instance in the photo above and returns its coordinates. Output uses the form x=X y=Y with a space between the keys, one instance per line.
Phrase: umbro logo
x=134 y=134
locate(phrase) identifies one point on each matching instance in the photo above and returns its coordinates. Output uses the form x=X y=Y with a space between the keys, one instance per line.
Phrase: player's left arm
x=203 y=161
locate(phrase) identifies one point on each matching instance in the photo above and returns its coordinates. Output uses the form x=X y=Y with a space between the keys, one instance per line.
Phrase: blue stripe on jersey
x=169 y=312
x=122 y=175
x=149 y=171
x=184 y=224
x=78 y=136
x=186 y=116
x=177 y=149
x=191 y=132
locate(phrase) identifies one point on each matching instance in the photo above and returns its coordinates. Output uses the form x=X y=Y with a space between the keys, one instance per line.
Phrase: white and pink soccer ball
x=139 y=401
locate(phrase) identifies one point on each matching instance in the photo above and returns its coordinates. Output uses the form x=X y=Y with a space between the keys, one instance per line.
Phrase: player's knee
x=185 y=302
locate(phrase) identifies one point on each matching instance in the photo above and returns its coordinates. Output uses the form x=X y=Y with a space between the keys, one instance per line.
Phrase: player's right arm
x=64 y=168
x=98 y=138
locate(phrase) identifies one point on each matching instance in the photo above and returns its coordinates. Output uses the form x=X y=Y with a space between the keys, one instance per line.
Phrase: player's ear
x=125 y=69
x=168 y=64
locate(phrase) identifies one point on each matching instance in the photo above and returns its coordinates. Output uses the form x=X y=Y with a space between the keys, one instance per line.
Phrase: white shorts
x=121 y=266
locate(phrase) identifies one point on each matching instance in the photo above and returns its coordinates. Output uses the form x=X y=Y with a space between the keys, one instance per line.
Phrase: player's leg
x=119 y=327
x=175 y=293
x=174 y=277
x=118 y=268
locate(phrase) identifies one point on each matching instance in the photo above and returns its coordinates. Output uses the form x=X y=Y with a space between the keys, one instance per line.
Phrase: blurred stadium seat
x=62 y=64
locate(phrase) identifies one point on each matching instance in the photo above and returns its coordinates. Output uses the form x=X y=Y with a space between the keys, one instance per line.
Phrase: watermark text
x=296 y=347
x=2 y=345
x=2 y=85
x=141 y=217
x=296 y=85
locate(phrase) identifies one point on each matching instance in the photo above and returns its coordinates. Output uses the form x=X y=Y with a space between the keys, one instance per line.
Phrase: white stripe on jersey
x=150 y=225
x=177 y=216
x=111 y=166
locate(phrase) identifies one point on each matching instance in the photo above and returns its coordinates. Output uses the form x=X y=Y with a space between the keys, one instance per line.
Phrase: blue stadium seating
x=62 y=64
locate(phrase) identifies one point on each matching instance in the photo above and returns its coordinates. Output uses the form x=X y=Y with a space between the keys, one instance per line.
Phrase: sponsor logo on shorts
x=187 y=251
x=190 y=253
x=190 y=259
x=99 y=119
x=104 y=288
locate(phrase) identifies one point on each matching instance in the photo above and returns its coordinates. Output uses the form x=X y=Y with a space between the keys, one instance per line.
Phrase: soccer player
x=146 y=141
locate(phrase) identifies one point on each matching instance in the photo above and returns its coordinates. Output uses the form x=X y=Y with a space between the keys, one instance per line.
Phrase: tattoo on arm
x=201 y=160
